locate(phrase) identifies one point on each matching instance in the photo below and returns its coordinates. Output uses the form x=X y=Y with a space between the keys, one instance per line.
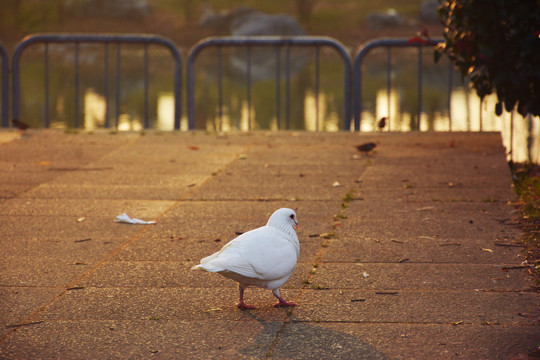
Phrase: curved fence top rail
x=98 y=38
x=392 y=42
x=270 y=41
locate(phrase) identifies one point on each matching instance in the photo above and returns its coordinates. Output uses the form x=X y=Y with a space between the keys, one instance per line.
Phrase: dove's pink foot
x=284 y=303
x=281 y=301
x=241 y=305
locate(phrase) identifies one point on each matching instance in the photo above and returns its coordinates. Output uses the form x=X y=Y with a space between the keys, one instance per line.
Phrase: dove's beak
x=296 y=226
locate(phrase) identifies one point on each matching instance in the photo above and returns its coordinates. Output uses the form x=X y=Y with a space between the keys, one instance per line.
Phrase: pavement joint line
x=116 y=251
x=423 y=323
x=316 y=261
x=320 y=254
x=126 y=243
x=337 y=289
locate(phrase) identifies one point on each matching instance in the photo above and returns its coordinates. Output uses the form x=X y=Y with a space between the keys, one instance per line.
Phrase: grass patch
x=527 y=185
x=319 y=287
x=329 y=235
x=340 y=216
x=348 y=197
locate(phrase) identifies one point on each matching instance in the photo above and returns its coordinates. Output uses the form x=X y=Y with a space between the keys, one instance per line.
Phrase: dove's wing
x=264 y=253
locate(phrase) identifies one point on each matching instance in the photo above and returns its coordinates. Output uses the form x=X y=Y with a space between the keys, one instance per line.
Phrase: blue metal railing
x=4 y=77
x=278 y=43
x=104 y=39
x=389 y=44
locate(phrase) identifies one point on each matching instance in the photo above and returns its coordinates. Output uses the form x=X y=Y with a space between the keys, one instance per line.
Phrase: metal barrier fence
x=389 y=44
x=276 y=42
x=104 y=39
x=4 y=77
x=352 y=75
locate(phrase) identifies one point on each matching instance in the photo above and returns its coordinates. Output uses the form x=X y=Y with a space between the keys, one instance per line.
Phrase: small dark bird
x=19 y=124
x=366 y=148
x=381 y=124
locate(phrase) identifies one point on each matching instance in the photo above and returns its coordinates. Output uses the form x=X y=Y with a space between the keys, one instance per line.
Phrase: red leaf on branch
x=418 y=40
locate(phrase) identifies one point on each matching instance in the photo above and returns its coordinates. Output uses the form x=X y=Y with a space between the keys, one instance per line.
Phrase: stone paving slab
x=356 y=248
x=419 y=276
x=61 y=248
x=17 y=302
x=424 y=216
x=36 y=271
x=137 y=339
x=147 y=338
x=172 y=303
x=429 y=307
x=89 y=208
x=413 y=341
x=70 y=226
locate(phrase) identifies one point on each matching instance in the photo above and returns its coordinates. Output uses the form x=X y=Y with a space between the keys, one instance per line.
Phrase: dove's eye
x=292 y=216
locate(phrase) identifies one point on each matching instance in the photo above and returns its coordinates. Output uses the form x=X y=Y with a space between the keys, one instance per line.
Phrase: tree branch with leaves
x=496 y=43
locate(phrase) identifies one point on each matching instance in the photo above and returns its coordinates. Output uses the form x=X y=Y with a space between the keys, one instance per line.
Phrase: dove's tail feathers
x=198 y=267
x=208 y=258
x=207 y=267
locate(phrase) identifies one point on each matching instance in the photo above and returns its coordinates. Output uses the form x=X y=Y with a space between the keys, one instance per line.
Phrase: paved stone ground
x=406 y=258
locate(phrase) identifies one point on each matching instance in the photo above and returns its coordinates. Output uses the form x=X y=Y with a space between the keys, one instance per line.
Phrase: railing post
x=388 y=85
x=5 y=85
x=278 y=87
x=146 y=120
x=77 y=83
x=118 y=83
x=47 y=88
x=419 y=117
x=106 y=83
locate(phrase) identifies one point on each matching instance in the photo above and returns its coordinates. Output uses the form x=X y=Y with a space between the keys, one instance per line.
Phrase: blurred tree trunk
x=188 y=10
x=304 y=9
x=12 y=12
x=60 y=10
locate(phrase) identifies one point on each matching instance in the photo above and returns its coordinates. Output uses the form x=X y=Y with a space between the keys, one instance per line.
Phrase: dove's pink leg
x=241 y=305
x=281 y=301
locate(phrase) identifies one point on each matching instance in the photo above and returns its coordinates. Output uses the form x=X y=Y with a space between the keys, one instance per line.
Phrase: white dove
x=264 y=257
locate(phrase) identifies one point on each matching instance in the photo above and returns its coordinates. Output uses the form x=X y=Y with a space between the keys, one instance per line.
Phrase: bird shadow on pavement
x=295 y=339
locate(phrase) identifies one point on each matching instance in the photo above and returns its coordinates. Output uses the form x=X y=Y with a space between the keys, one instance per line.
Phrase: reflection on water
x=95 y=106
x=520 y=136
x=309 y=109
x=316 y=115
